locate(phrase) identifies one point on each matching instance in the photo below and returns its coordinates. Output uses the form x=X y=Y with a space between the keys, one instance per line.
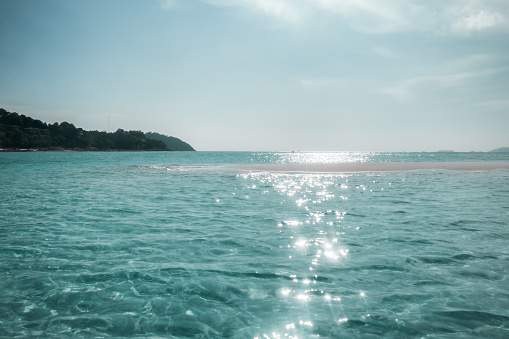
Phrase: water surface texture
x=183 y=245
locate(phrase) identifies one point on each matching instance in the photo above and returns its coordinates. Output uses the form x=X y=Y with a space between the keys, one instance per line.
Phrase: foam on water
x=149 y=245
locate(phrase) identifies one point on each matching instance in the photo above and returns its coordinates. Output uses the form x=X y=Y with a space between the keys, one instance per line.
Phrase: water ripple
x=147 y=246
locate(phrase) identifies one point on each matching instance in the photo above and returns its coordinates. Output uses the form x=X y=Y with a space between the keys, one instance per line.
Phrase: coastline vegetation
x=19 y=132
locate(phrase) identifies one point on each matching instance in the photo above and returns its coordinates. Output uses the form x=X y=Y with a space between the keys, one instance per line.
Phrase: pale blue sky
x=262 y=75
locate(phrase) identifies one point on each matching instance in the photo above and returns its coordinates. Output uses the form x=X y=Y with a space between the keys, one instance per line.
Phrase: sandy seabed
x=378 y=166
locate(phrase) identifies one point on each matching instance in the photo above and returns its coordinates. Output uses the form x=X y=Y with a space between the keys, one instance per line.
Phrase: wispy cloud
x=405 y=90
x=324 y=83
x=293 y=12
x=372 y=16
x=385 y=52
x=494 y=104
x=451 y=17
x=469 y=62
x=288 y=11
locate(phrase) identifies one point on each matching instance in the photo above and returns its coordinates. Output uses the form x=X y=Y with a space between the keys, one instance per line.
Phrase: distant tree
x=174 y=144
x=19 y=139
x=12 y=119
x=69 y=131
x=55 y=129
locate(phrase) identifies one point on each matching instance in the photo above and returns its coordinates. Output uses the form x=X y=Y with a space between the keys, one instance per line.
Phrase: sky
x=265 y=75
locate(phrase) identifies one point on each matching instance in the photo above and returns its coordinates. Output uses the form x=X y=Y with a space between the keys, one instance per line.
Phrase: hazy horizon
x=261 y=75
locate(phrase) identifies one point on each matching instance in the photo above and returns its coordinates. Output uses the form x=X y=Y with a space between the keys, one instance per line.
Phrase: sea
x=192 y=245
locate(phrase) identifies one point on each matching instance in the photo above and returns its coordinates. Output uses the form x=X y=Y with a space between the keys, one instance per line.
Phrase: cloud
x=405 y=90
x=385 y=52
x=287 y=11
x=324 y=83
x=477 y=22
x=469 y=62
x=400 y=92
x=282 y=9
x=495 y=104
x=364 y=15
x=372 y=16
x=451 y=17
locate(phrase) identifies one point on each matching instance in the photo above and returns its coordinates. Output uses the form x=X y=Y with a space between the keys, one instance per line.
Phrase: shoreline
x=377 y=167
x=58 y=149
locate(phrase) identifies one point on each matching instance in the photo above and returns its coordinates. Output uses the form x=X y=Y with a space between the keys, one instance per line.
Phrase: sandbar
x=377 y=167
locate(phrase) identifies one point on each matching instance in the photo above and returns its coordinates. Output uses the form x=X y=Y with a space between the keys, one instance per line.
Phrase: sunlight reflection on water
x=314 y=243
x=320 y=157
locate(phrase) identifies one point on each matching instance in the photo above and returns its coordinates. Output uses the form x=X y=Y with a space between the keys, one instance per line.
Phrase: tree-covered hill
x=18 y=131
x=171 y=142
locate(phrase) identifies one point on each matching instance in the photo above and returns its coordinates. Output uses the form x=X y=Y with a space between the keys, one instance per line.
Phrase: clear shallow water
x=180 y=245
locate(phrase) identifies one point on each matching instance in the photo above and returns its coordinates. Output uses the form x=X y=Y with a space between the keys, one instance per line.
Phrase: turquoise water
x=179 y=245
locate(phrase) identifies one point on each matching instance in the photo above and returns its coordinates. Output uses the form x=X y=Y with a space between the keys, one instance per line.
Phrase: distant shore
x=378 y=167
x=58 y=149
